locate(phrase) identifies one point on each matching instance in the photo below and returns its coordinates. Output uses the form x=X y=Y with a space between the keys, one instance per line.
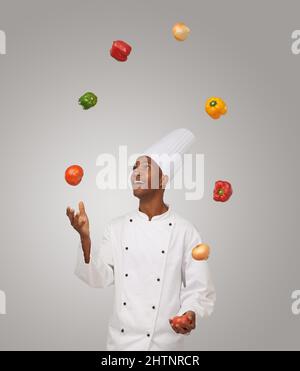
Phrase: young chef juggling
x=147 y=255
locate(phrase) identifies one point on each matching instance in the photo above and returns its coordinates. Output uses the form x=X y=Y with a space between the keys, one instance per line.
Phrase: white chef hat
x=168 y=151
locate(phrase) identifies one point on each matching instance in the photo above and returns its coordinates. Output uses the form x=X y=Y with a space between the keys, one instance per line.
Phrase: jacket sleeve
x=197 y=291
x=99 y=272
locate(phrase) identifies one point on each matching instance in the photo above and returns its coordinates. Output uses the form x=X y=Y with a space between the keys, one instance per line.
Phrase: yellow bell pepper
x=215 y=107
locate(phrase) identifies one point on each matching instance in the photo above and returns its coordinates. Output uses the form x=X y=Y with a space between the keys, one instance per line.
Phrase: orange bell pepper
x=215 y=107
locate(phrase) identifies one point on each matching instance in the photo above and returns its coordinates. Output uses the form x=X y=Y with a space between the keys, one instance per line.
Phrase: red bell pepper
x=222 y=191
x=120 y=50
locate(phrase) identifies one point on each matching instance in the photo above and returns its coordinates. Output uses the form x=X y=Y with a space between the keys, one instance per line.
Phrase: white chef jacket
x=150 y=264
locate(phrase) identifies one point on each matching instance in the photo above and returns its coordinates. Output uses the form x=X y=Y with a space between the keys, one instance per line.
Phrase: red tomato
x=73 y=175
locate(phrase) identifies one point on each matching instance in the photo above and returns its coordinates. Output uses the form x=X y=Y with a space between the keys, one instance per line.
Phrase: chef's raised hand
x=183 y=324
x=79 y=221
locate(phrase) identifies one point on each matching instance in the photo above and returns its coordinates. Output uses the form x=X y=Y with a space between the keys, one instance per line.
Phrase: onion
x=201 y=252
x=180 y=31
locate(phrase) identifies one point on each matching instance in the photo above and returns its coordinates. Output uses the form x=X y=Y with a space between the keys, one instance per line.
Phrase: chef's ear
x=164 y=180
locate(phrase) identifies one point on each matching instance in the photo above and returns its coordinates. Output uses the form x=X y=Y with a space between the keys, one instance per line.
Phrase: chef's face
x=147 y=177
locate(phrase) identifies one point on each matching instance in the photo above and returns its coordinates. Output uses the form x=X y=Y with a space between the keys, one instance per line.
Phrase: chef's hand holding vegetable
x=185 y=323
x=80 y=222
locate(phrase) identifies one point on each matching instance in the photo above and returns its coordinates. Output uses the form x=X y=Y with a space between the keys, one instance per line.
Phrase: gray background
x=238 y=50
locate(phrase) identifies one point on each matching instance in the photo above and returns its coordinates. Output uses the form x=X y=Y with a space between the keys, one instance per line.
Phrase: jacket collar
x=159 y=217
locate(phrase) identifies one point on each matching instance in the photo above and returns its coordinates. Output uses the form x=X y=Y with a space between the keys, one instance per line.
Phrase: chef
x=147 y=255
